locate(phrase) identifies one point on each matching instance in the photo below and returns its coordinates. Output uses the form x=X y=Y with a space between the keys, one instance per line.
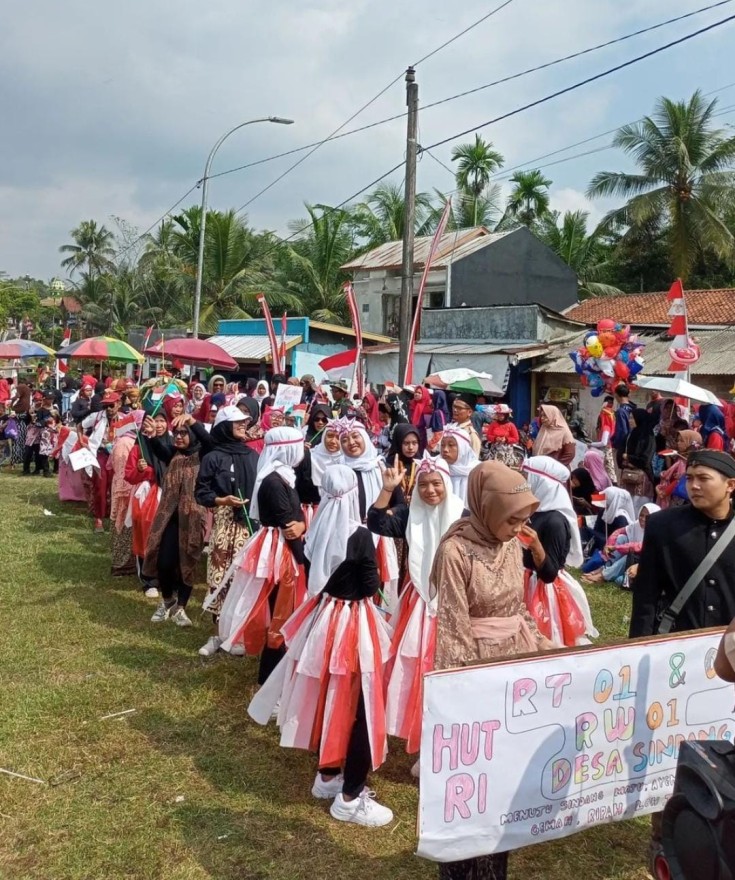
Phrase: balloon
x=621 y=370
x=594 y=346
x=607 y=338
x=605 y=324
x=595 y=380
x=634 y=368
x=597 y=392
x=623 y=333
x=612 y=351
x=577 y=361
x=607 y=367
x=624 y=356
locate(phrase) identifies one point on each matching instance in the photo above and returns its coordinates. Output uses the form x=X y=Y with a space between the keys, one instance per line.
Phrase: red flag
x=282 y=349
x=62 y=365
x=340 y=365
x=270 y=330
x=408 y=377
x=678 y=326
x=676 y=291
x=147 y=340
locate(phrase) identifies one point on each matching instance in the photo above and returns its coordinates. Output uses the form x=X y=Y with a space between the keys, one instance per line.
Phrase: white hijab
x=618 y=503
x=258 y=396
x=635 y=530
x=466 y=462
x=548 y=479
x=321 y=459
x=427 y=525
x=367 y=464
x=284 y=449
x=337 y=517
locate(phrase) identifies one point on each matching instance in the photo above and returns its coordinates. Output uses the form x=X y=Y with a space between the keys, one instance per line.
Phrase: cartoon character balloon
x=609 y=355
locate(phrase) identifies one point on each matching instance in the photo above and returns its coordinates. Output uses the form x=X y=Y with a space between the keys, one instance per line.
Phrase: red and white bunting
x=408 y=376
x=270 y=330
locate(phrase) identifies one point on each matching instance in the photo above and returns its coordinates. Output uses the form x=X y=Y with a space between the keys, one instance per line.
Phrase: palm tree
x=529 y=199
x=312 y=269
x=476 y=164
x=468 y=210
x=93 y=250
x=381 y=218
x=685 y=177
x=586 y=254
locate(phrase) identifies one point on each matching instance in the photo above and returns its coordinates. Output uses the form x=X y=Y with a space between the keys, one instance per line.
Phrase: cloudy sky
x=109 y=110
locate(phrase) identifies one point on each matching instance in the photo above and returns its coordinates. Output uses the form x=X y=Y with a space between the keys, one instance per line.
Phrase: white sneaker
x=327 y=790
x=210 y=648
x=363 y=810
x=151 y=593
x=237 y=650
x=162 y=612
x=416 y=770
x=180 y=618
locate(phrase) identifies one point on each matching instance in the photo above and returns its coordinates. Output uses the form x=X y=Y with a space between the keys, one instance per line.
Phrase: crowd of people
x=352 y=545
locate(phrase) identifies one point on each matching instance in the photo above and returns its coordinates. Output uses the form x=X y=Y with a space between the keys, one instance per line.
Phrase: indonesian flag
x=125 y=425
x=684 y=351
x=62 y=365
x=340 y=365
x=147 y=340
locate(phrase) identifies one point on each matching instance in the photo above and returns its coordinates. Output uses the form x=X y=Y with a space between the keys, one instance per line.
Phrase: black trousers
x=270 y=657
x=34 y=452
x=169 y=570
x=357 y=759
x=482 y=868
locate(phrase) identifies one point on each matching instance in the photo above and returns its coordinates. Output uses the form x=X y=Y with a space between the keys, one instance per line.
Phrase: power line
x=160 y=219
x=313 y=148
x=518 y=75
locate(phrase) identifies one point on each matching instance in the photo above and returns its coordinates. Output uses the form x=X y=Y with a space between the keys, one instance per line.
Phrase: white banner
x=287 y=397
x=525 y=751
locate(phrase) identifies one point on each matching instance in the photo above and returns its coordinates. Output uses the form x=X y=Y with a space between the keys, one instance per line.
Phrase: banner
x=287 y=397
x=408 y=377
x=271 y=330
x=531 y=750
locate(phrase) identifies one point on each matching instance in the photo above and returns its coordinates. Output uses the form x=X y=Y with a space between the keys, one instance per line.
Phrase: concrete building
x=471 y=268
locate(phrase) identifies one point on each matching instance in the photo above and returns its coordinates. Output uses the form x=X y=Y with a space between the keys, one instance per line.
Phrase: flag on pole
x=340 y=365
x=62 y=365
x=270 y=329
x=147 y=340
x=282 y=349
x=443 y=220
x=358 y=377
x=684 y=351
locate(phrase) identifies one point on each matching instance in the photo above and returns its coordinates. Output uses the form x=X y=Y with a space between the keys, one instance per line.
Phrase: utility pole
x=406 y=304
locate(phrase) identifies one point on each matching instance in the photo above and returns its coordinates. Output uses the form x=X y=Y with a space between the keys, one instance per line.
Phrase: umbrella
x=444 y=378
x=677 y=387
x=200 y=352
x=480 y=384
x=102 y=348
x=24 y=348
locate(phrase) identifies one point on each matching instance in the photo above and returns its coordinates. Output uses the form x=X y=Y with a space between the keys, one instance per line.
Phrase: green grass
x=186 y=788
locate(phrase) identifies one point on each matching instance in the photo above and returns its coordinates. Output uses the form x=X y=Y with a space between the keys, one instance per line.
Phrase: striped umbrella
x=24 y=348
x=102 y=348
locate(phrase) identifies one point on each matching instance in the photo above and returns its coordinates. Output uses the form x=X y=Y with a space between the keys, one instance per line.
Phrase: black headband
x=717 y=461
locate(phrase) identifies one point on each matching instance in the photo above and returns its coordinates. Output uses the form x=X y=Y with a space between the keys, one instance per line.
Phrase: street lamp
x=279 y=120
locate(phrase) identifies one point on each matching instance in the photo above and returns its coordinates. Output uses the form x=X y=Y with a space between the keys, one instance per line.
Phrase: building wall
x=516 y=269
x=507 y=324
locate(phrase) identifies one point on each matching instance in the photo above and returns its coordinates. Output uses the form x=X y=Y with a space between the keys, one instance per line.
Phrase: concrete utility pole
x=406 y=304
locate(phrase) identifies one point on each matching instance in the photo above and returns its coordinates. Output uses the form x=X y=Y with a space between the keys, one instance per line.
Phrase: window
x=365 y=308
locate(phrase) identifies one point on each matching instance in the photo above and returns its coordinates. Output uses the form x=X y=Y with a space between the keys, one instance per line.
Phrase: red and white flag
x=62 y=365
x=270 y=330
x=408 y=377
x=683 y=351
x=340 y=365
x=147 y=339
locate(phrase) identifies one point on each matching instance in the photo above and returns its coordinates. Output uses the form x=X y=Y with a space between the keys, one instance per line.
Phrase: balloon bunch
x=609 y=355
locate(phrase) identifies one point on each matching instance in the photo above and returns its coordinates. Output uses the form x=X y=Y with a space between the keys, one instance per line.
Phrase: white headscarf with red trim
x=466 y=462
x=284 y=449
x=548 y=479
x=321 y=458
x=367 y=463
x=427 y=525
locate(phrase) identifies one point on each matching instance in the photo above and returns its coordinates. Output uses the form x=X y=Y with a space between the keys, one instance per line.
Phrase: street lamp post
x=203 y=222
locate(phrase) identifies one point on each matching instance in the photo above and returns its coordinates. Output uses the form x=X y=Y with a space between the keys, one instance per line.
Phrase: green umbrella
x=102 y=348
x=477 y=385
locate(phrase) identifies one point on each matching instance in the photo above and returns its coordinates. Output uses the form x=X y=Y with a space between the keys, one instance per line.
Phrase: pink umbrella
x=199 y=352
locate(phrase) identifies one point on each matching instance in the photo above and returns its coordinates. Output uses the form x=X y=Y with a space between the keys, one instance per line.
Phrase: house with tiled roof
x=707 y=309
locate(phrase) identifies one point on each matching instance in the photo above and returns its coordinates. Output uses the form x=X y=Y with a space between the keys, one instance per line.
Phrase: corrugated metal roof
x=718 y=355
x=250 y=348
x=454 y=245
x=347 y=331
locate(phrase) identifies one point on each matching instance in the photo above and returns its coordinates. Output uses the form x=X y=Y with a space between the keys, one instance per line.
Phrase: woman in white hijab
x=552 y=541
x=329 y=687
x=268 y=580
x=433 y=509
x=327 y=452
x=457 y=451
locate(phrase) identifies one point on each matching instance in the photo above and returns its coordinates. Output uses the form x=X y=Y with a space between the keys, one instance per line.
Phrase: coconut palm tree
x=685 y=177
x=529 y=198
x=92 y=252
x=476 y=164
x=382 y=216
x=586 y=254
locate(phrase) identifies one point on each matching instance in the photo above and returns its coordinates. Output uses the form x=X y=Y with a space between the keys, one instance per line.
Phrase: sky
x=110 y=110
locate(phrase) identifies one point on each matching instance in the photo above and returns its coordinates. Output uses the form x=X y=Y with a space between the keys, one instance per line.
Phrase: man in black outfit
x=622 y=423
x=675 y=542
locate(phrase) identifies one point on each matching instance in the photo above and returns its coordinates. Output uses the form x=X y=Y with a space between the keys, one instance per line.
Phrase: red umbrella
x=199 y=352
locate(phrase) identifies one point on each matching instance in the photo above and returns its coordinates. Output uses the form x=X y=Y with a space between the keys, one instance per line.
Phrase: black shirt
x=279 y=505
x=218 y=476
x=674 y=543
x=307 y=491
x=555 y=536
x=357 y=577
x=391 y=522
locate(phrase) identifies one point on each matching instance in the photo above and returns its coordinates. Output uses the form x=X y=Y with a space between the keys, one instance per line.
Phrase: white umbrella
x=444 y=378
x=677 y=387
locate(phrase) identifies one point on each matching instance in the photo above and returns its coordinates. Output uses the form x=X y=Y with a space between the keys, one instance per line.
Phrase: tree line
x=676 y=218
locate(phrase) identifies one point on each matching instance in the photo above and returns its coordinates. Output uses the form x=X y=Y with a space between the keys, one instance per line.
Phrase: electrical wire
x=518 y=75
x=160 y=220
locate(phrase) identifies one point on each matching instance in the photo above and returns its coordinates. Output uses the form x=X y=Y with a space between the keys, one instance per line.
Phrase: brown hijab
x=23 y=399
x=693 y=440
x=495 y=493
x=554 y=434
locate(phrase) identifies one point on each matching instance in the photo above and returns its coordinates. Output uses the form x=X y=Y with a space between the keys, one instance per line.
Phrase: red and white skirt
x=268 y=585
x=337 y=650
x=413 y=645
x=309 y=511
x=561 y=609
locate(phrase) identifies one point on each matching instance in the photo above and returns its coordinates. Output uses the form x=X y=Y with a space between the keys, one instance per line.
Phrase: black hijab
x=397 y=409
x=242 y=457
x=253 y=408
x=149 y=454
x=640 y=446
x=586 y=488
x=311 y=429
x=193 y=448
x=400 y=432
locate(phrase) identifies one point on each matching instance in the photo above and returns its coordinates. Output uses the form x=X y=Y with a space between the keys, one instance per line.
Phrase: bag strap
x=668 y=618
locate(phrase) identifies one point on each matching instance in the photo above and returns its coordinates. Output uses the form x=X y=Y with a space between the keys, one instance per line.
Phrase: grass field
x=186 y=787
